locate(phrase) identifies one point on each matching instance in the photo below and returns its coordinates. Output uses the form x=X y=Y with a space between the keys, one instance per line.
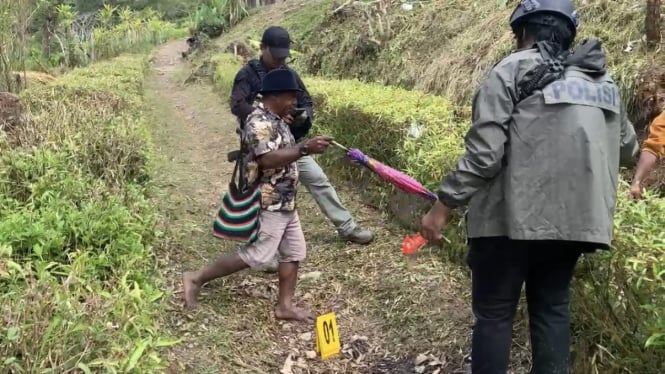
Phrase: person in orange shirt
x=652 y=150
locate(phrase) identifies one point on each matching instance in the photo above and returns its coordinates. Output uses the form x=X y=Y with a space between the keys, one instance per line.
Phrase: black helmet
x=527 y=8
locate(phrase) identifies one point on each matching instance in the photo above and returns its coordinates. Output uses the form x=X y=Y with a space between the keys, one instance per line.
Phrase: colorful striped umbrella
x=394 y=176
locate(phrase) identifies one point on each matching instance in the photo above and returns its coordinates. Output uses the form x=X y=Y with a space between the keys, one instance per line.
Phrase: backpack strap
x=260 y=72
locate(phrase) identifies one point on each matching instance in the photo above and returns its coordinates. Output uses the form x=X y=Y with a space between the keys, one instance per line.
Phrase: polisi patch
x=573 y=90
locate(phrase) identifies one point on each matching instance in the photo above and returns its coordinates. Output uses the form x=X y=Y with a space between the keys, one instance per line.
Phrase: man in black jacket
x=275 y=48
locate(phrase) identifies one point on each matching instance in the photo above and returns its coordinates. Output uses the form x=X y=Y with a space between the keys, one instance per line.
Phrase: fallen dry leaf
x=421 y=358
x=313 y=276
x=310 y=355
x=301 y=363
x=288 y=365
x=420 y=369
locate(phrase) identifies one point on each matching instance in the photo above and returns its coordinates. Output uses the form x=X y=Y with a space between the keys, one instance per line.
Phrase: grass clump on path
x=76 y=264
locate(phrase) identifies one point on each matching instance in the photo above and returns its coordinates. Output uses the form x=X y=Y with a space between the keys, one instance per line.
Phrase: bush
x=76 y=264
x=226 y=67
x=213 y=17
x=620 y=296
x=137 y=32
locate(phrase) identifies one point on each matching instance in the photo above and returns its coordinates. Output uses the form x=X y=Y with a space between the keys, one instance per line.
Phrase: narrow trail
x=386 y=315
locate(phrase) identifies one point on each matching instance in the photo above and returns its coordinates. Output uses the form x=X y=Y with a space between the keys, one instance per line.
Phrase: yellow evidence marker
x=327 y=336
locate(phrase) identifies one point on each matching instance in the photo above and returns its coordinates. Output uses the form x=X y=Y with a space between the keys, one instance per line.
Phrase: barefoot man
x=271 y=158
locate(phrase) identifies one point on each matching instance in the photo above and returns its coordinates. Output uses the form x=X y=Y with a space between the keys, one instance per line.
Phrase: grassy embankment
x=77 y=269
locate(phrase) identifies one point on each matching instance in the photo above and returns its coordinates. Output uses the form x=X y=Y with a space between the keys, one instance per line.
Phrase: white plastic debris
x=416 y=130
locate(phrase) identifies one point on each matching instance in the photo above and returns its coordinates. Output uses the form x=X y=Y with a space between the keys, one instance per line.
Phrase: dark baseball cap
x=278 y=41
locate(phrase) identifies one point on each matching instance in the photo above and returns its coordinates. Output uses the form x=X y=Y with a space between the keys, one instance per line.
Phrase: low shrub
x=619 y=296
x=377 y=119
x=77 y=269
x=226 y=67
x=136 y=33
x=213 y=17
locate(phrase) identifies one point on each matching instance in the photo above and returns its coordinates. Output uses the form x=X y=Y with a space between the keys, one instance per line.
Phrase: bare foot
x=293 y=313
x=190 y=289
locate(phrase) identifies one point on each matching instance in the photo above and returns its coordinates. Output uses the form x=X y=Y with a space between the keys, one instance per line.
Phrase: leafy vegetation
x=225 y=68
x=171 y=9
x=620 y=296
x=54 y=34
x=76 y=264
x=215 y=16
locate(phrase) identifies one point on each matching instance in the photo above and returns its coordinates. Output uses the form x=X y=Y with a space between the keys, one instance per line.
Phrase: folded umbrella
x=391 y=175
x=400 y=180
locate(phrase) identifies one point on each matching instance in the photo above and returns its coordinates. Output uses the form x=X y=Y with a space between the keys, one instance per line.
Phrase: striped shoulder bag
x=238 y=215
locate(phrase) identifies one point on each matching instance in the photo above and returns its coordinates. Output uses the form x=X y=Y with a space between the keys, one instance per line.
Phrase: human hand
x=288 y=119
x=636 y=190
x=434 y=221
x=319 y=144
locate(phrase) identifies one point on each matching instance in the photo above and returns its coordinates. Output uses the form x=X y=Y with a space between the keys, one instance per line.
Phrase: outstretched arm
x=484 y=142
x=484 y=150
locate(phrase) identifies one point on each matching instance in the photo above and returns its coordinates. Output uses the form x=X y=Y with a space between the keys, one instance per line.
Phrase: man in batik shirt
x=271 y=159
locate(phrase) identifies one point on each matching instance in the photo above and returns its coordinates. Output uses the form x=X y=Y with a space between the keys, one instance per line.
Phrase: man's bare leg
x=285 y=309
x=193 y=280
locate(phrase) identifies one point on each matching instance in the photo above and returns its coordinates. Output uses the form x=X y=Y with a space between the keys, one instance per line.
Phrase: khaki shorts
x=280 y=232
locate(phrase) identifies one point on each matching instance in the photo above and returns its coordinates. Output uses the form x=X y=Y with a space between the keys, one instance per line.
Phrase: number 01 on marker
x=327 y=336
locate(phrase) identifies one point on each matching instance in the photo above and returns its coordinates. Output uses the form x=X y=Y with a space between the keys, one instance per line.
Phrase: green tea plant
x=77 y=268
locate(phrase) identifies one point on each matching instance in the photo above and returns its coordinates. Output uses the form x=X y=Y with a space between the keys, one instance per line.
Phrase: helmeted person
x=539 y=177
x=275 y=48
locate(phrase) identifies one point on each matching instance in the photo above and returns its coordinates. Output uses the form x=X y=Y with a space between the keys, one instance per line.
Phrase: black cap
x=278 y=41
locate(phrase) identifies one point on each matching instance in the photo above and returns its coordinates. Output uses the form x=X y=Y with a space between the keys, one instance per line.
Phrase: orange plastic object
x=412 y=244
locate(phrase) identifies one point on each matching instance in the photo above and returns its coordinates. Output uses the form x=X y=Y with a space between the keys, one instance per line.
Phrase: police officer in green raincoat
x=539 y=177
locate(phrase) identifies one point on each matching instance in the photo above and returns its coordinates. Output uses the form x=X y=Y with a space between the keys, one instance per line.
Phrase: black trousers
x=499 y=267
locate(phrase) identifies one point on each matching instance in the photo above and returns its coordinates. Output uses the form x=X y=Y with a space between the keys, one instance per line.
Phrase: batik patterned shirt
x=263 y=133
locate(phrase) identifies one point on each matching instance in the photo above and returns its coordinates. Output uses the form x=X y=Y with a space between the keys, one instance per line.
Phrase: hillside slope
x=440 y=47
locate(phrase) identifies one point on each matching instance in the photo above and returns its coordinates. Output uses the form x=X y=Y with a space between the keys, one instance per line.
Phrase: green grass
x=76 y=262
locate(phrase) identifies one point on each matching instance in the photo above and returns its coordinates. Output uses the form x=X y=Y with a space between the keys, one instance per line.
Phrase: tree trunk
x=652 y=23
x=47 y=29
